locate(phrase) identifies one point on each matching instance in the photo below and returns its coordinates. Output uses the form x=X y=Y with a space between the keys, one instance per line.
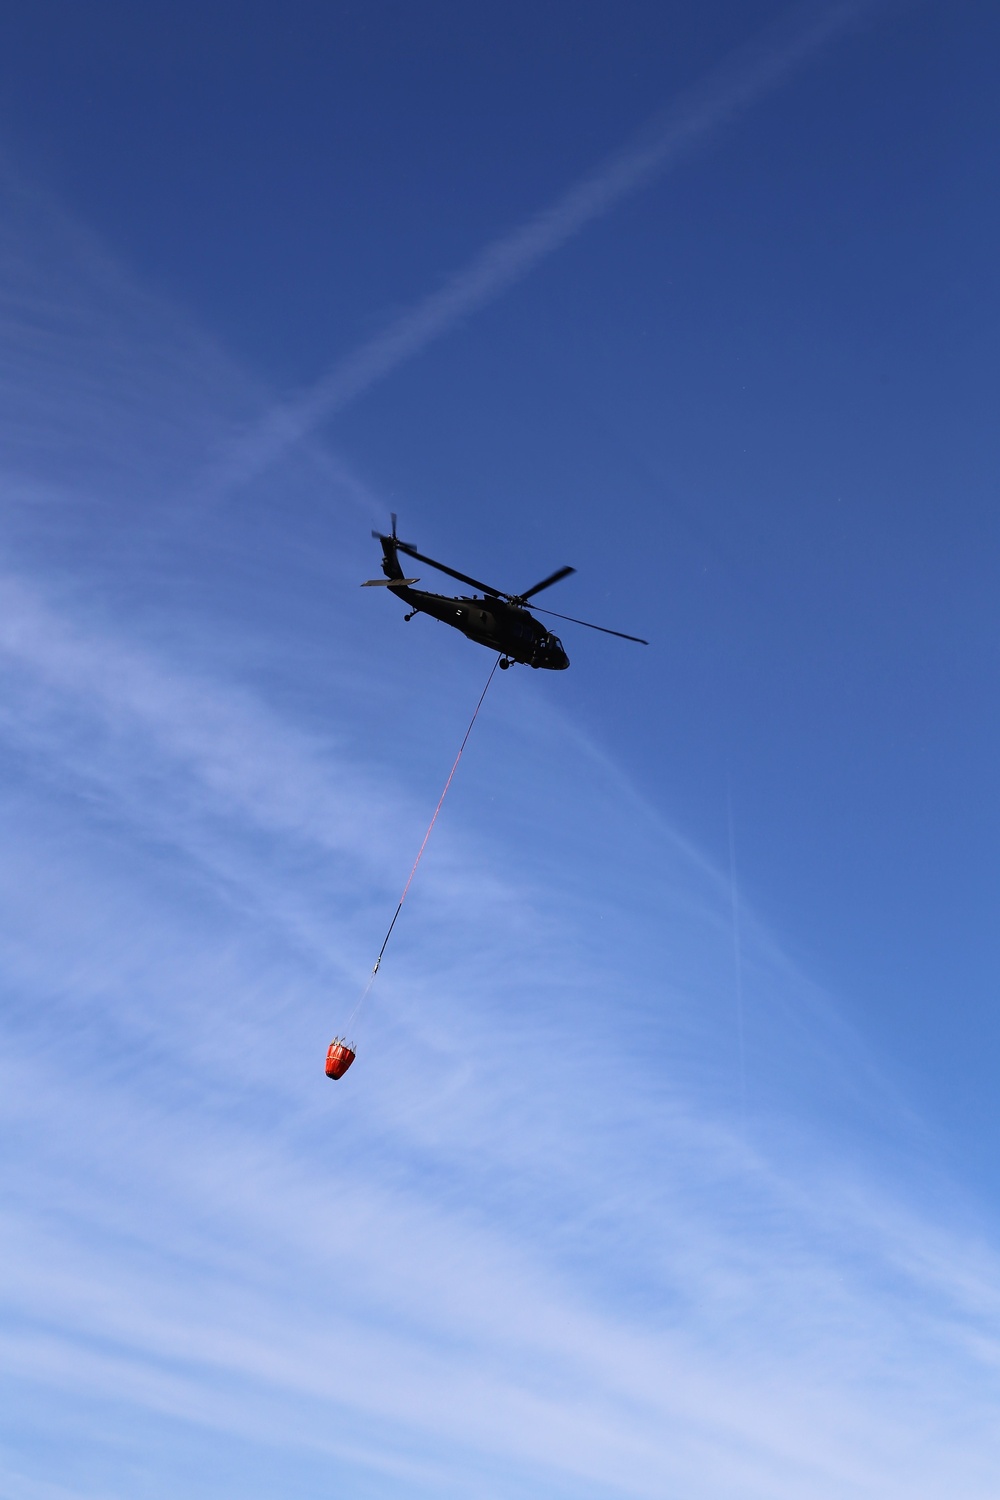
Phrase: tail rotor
x=380 y=536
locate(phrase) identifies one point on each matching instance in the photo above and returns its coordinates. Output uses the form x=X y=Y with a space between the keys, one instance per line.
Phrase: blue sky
x=667 y=1166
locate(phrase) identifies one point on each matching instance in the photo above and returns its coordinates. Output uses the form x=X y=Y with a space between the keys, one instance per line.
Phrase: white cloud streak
x=523 y=1249
x=795 y=1322
x=720 y=98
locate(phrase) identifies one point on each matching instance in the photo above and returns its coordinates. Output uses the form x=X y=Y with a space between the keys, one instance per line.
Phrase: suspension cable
x=423 y=846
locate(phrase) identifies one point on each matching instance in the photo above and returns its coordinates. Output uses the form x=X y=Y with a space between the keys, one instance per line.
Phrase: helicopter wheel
x=504 y=663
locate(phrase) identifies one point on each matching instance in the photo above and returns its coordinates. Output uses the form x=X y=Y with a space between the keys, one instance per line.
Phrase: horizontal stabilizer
x=388 y=583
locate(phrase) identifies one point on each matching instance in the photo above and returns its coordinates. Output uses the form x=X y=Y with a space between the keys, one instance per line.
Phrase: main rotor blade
x=574 y=621
x=547 y=582
x=462 y=577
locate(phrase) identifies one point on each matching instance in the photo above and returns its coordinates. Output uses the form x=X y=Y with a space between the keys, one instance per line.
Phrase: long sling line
x=423 y=846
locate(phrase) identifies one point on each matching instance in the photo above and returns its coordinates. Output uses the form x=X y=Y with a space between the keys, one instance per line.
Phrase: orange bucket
x=339 y=1057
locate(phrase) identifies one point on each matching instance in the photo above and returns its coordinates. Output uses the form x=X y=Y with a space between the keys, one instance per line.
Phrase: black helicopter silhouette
x=501 y=622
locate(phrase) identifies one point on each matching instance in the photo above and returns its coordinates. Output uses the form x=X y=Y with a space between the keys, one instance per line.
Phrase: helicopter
x=501 y=622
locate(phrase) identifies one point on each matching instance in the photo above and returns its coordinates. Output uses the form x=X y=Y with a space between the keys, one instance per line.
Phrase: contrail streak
x=737 y=83
x=737 y=955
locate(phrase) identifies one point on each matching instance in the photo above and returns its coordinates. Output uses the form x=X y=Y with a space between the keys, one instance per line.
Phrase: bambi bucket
x=339 y=1057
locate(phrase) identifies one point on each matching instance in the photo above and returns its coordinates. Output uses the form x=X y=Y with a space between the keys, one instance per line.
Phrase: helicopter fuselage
x=501 y=622
x=493 y=623
x=490 y=621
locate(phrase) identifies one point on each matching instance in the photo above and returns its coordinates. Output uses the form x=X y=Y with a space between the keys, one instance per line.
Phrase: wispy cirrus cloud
x=529 y=1245
x=495 y=1273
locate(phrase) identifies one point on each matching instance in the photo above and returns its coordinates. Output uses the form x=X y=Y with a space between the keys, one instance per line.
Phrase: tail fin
x=390 y=559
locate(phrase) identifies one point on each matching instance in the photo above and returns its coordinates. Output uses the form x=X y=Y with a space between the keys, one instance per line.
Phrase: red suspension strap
x=423 y=846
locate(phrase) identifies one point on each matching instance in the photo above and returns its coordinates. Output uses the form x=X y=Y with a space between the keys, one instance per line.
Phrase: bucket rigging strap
x=423 y=846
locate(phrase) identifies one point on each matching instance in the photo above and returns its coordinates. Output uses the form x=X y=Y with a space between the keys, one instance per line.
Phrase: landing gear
x=504 y=663
x=410 y=615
